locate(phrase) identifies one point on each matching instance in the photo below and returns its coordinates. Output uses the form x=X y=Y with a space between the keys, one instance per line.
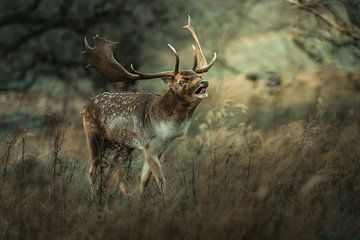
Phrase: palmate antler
x=102 y=59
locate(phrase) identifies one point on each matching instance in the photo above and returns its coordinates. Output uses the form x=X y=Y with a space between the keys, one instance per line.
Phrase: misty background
x=272 y=153
x=41 y=40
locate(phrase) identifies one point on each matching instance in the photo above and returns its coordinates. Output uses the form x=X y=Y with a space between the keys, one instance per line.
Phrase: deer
x=125 y=121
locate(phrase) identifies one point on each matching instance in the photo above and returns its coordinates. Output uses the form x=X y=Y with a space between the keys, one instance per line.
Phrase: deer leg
x=109 y=176
x=123 y=185
x=116 y=171
x=94 y=150
x=94 y=160
x=155 y=167
x=145 y=177
x=126 y=154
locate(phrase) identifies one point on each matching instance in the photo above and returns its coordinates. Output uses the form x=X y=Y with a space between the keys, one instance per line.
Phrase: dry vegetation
x=262 y=159
x=259 y=162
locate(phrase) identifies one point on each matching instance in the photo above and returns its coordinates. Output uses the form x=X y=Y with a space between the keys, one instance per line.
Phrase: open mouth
x=200 y=92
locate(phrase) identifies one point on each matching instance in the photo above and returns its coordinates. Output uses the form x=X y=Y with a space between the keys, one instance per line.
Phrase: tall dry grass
x=259 y=162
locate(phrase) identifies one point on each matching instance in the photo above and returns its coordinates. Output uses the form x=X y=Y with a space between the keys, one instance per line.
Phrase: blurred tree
x=44 y=38
x=336 y=28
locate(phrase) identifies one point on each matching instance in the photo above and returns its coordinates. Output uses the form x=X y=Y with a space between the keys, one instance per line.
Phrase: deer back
x=123 y=116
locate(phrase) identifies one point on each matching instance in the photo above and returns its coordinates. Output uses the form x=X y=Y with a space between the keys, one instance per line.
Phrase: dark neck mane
x=172 y=107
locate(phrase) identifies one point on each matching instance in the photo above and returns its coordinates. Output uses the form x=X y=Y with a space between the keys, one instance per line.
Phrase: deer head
x=187 y=85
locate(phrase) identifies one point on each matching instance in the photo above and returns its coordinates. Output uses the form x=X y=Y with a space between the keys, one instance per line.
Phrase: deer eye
x=181 y=82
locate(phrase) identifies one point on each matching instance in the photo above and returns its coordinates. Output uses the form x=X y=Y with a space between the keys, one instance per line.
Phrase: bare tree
x=338 y=25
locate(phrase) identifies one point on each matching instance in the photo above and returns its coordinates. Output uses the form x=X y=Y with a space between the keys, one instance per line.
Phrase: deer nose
x=205 y=83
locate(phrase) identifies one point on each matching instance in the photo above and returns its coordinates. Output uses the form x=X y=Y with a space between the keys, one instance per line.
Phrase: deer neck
x=173 y=108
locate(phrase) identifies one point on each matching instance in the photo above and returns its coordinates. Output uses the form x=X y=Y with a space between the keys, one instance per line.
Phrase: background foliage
x=273 y=153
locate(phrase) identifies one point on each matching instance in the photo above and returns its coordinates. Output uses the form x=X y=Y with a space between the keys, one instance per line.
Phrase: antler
x=199 y=54
x=161 y=74
x=195 y=59
x=102 y=59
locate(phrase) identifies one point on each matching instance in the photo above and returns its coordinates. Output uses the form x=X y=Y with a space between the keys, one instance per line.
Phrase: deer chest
x=168 y=130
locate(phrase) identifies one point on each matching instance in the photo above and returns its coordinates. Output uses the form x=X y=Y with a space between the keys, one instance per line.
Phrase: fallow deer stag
x=125 y=121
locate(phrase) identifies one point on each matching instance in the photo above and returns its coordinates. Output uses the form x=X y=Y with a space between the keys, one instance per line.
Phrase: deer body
x=134 y=119
x=125 y=121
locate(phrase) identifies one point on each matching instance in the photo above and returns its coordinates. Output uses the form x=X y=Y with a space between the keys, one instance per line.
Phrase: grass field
x=259 y=162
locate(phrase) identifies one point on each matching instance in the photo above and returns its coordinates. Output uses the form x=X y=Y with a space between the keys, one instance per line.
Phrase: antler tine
x=160 y=74
x=151 y=75
x=200 y=57
x=199 y=52
x=205 y=69
x=195 y=59
x=177 y=63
